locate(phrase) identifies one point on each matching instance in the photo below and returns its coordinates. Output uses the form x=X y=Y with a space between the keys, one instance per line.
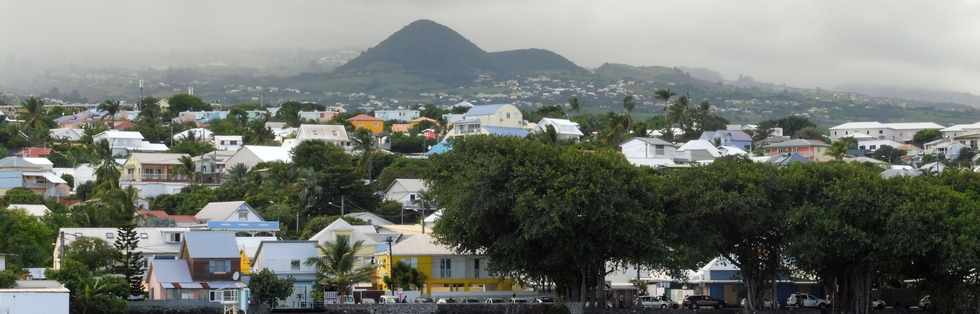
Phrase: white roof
x=732 y=151
x=651 y=162
x=168 y=271
x=896 y=126
x=220 y=210
x=370 y=218
x=121 y=134
x=962 y=127
x=211 y=244
x=700 y=145
x=410 y=185
x=48 y=175
x=367 y=233
x=37 y=210
x=330 y=132
x=158 y=158
x=227 y=137
x=199 y=134
x=432 y=218
x=270 y=153
x=419 y=244
x=151 y=238
x=562 y=126
x=152 y=147
x=39 y=161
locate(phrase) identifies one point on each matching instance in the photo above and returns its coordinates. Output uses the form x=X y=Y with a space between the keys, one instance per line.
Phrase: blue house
x=732 y=138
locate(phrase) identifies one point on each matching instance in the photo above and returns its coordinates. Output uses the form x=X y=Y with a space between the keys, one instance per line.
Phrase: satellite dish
x=235 y=276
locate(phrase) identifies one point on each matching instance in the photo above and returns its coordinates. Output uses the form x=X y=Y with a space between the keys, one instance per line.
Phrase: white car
x=806 y=300
x=657 y=302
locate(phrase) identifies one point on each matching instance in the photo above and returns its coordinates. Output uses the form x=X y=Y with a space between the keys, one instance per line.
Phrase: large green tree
x=129 y=261
x=336 y=267
x=268 y=288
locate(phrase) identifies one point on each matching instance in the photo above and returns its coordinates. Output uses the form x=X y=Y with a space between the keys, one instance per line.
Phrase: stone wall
x=444 y=309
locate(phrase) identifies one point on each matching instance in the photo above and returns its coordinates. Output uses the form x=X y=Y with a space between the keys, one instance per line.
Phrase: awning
x=51 y=177
x=225 y=284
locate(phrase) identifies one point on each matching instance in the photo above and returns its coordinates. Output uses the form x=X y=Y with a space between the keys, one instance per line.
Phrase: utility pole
x=391 y=264
x=341 y=206
x=139 y=105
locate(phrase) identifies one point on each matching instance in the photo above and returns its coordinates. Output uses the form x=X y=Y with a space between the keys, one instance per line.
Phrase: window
x=219 y=266
x=129 y=171
x=144 y=235
x=659 y=150
x=476 y=268
x=243 y=215
x=508 y=115
x=411 y=197
x=445 y=268
x=294 y=265
x=110 y=235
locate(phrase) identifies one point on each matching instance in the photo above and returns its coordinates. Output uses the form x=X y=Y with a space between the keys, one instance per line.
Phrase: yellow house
x=363 y=121
x=445 y=271
x=153 y=167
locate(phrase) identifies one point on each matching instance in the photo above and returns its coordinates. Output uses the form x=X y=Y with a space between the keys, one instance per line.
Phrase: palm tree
x=107 y=174
x=237 y=174
x=111 y=107
x=335 y=265
x=666 y=95
x=573 y=104
x=34 y=120
x=93 y=293
x=186 y=168
x=629 y=105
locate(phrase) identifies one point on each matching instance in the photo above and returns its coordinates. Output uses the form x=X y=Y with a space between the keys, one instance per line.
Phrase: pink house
x=811 y=149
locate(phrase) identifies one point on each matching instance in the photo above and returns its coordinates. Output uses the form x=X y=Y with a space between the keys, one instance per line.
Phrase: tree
x=924 y=136
x=111 y=107
x=29 y=239
x=289 y=111
x=810 y=133
x=21 y=195
x=665 y=95
x=94 y=253
x=187 y=168
x=36 y=123
x=91 y=292
x=790 y=125
x=887 y=154
x=192 y=147
x=184 y=102
x=628 y=105
x=130 y=261
x=405 y=276
x=559 y=215
x=269 y=288
x=336 y=268
x=574 y=105
x=8 y=278
x=838 y=149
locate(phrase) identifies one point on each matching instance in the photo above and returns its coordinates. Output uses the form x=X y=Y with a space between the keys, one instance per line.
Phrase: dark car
x=544 y=300
x=698 y=301
x=424 y=300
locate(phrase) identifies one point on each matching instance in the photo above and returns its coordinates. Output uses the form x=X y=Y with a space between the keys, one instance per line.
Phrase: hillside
x=432 y=51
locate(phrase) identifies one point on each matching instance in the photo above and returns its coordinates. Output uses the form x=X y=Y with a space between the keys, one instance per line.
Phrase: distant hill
x=920 y=94
x=429 y=50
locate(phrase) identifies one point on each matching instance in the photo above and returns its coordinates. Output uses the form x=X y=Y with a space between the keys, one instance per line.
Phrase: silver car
x=657 y=302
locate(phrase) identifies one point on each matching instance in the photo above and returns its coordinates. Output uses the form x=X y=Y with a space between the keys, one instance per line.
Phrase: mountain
x=920 y=94
x=429 y=50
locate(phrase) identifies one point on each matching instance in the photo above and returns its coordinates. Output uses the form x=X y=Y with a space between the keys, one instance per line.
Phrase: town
x=301 y=205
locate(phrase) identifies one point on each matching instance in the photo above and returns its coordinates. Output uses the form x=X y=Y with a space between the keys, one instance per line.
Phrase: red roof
x=34 y=152
x=363 y=117
x=162 y=215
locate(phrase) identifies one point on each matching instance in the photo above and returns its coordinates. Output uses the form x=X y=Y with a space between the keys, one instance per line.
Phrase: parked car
x=446 y=301
x=424 y=300
x=699 y=301
x=495 y=301
x=878 y=304
x=519 y=300
x=657 y=302
x=389 y=299
x=544 y=300
x=806 y=300
x=925 y=303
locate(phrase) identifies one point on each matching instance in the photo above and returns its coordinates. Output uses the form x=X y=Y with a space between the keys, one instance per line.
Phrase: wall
x=444 y=309
x=34 y=302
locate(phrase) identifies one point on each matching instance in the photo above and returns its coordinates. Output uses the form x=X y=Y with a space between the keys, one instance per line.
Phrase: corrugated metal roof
x=158 y=158
x=484 y=110
x=211 y=244
x=799 y=142
x=220 y=210
x=170 y=271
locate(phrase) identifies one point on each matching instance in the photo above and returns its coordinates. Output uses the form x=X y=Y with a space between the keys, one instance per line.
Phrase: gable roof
x=896 y=125
x=419 y=244
x=731 y=134
x=292 y=248
x=121 y=134
x=221 y=210
x=700 y=145
x=562 y=126
x=484 y=110
x=211 y=244
x=651 y=141
x=269 y=153
x=370 y=218
x=410 y=185
x=170 y=270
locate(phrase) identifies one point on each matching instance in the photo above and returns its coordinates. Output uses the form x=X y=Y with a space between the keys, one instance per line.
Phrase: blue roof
x=442 y=147
x=484 y=110
x=244 y=225
x=732 y=134
x=506 y=131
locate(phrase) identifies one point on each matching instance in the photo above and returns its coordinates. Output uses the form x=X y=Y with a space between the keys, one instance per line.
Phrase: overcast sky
x=824 y=43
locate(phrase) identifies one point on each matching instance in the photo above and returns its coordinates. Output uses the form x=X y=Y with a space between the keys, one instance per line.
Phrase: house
x=34 y=296
x=154 y=174
x=228 y=211
x=397 y=115
x=501 y=120
x=330 y=133
x=899 y=132
x=318 y=116
x=211 y=166
x=198 y=134
x=698 y=151
x=287 y=259
x=649 y=151
x=228 y=142
x=371 y=235
x=66 y=134
x=155 y=243
x=35 y=174
x=728 y=138
x=159 y=218
x=80 y=174
x=275 y=125
x=200 y=117
x=401 y=128
x=408 y=192
x=752 y=128
x=123 y=142
x=959 y=129
x=811 y=149
x=363 y=121
x=36 y=210
x=446 y=272
x=251 y=155
x=208 y=268
x=565 y=129
x=34 y=152
x=870 y=145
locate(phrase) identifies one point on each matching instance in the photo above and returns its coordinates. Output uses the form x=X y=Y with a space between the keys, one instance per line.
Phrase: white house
x=698 y=150
x=318 y=116
x=81 y=173
x=330 y=133
x=199 y=134
x=397 y=115
x=899 y=132
x=228 y=142
x=35 y=174
x=210 y=166
x=35 y=296
x=66 y=134
x=960 y=129
x=251 y=155
x=228 y=211
x=123 y=142
x=875 y=144
x=155 y=243
x=567 y=130
x=649 y=151
x=408 y=192
x=287 y=259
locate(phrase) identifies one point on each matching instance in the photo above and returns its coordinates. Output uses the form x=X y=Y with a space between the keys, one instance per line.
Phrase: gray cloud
x=932 y=44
